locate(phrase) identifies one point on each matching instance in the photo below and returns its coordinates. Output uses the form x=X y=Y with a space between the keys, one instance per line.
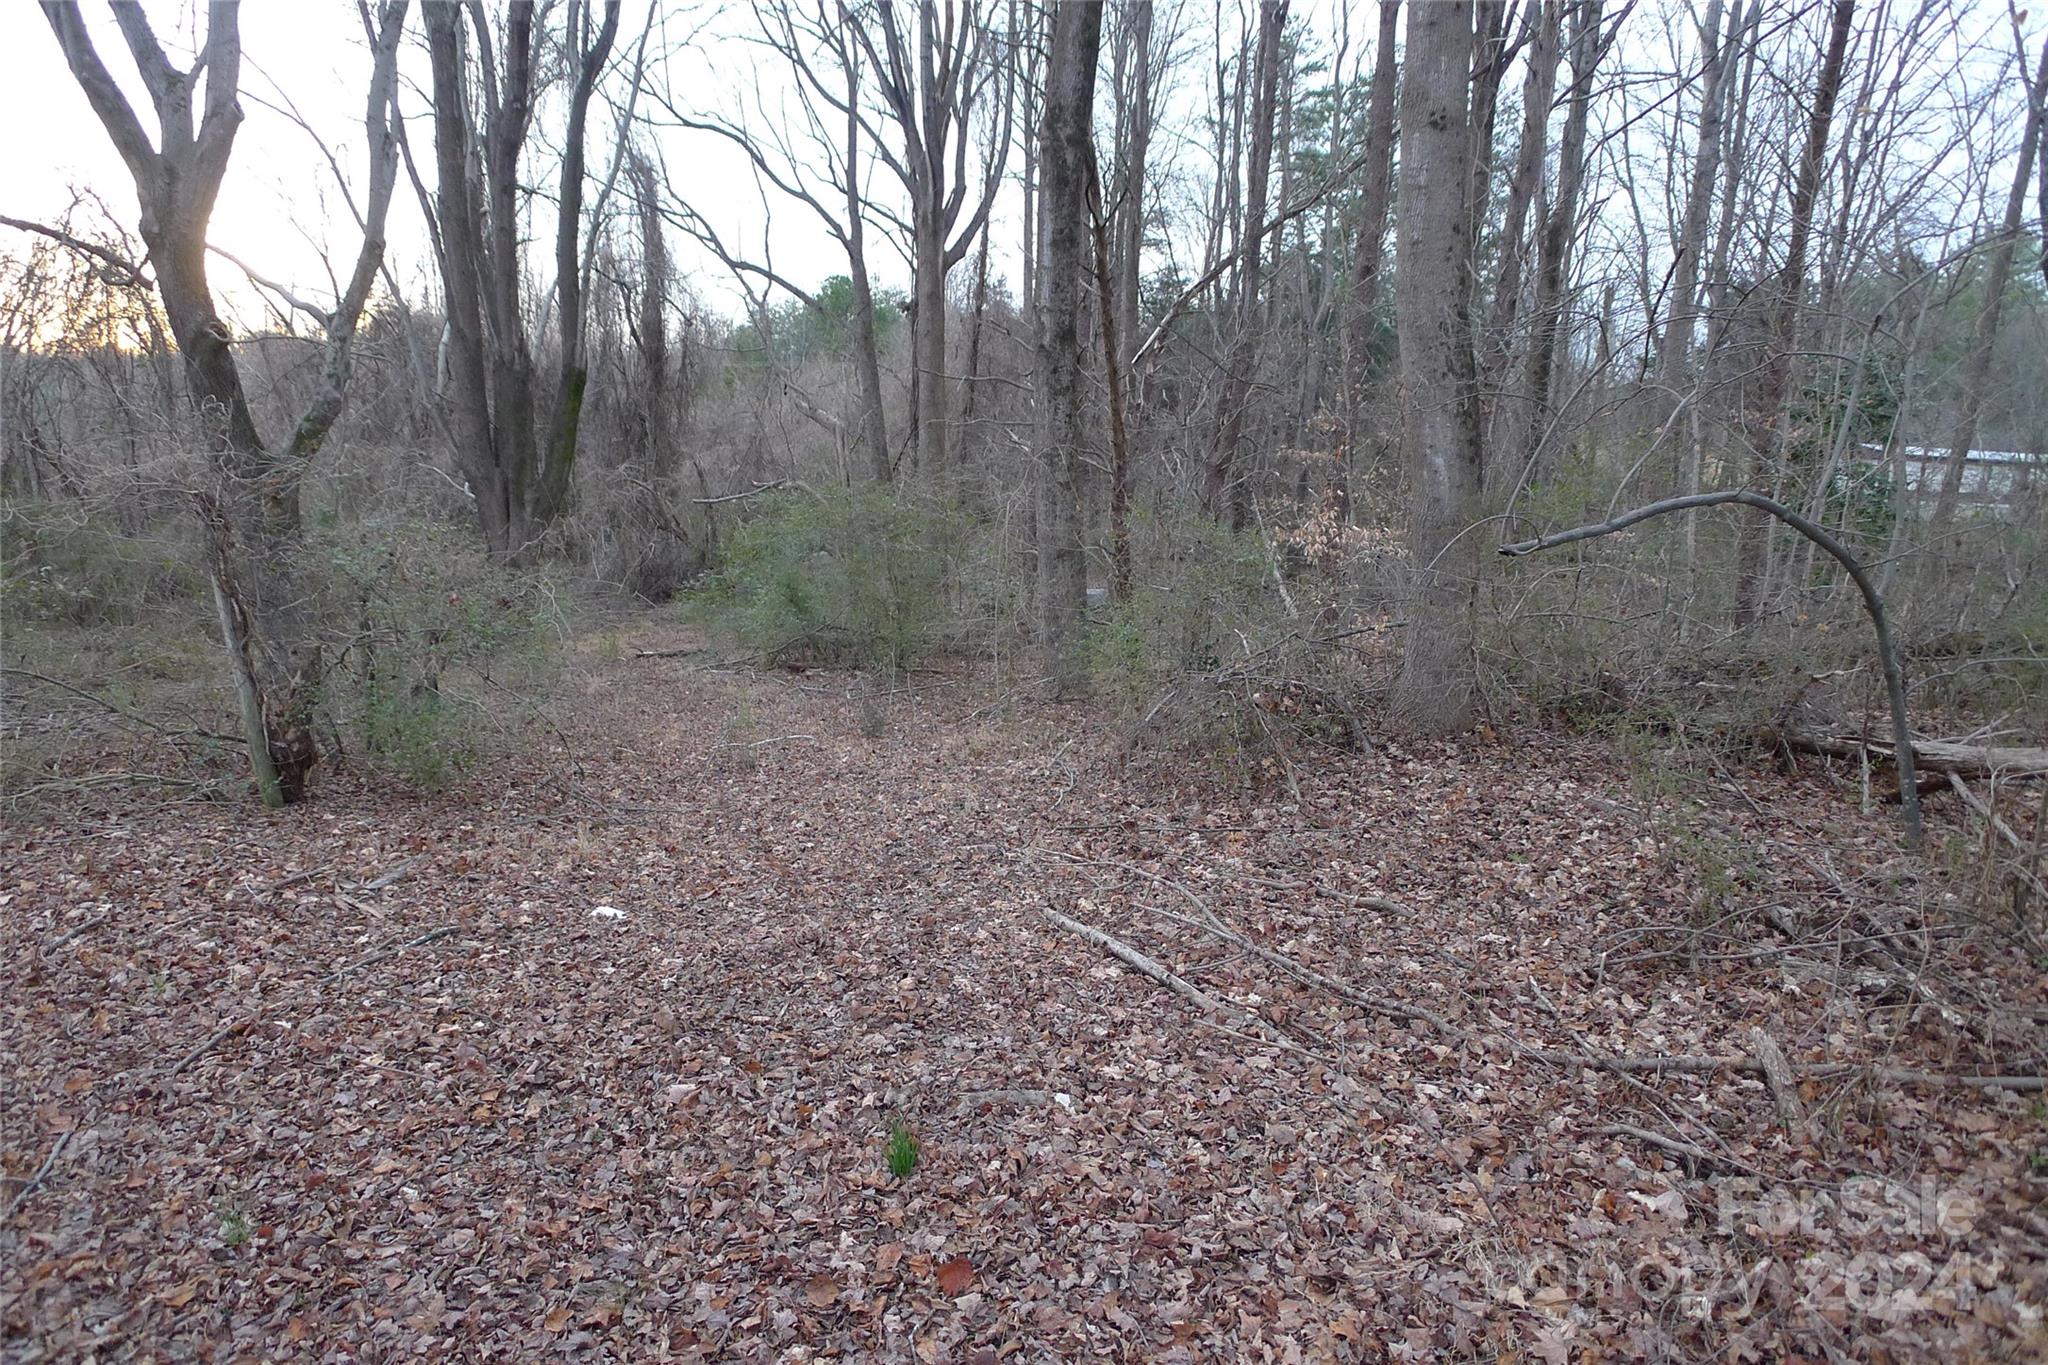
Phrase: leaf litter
x=264 y=1098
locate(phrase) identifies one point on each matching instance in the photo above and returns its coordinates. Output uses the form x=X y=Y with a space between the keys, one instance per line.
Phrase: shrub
x=847 y=577
x=64 y=564
x=428 y=639
x=1191 y=609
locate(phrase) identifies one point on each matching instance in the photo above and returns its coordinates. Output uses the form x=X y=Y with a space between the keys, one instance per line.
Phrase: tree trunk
x=1433 y=253
x=1752 y=545
x=1997 y=274
x=1375 y=194
x=1067 y=143
x=1224 y=486
x=558 y=458
x=1112 y=374
x=1539 y=91
x=518 y=476
x=1531 y=439
x=1674 y=348
x=1136 y=114
x=177 y=183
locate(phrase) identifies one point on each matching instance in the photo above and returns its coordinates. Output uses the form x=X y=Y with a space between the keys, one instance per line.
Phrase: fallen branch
x=132 y=717
x=735 y=497
x=391 y=951
x=395 y=875
x=1873 y=603
x=1678 y=1064
x=228 y=1030
x=1698 y=1158
x=1934 y=755
x=42 y=1173
x=666 y=653
x=74 y=931
x=1778 y=1075
x=1138 y=962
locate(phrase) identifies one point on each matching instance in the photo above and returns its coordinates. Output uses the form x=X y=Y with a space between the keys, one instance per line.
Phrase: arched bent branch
x=1873 y=602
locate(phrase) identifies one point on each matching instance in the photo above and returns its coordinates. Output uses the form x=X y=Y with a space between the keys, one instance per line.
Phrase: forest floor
x=597 y=1054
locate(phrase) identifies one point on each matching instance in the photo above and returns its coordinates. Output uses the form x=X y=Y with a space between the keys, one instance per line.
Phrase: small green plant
x=2037 y=1164
x=235 y=1228
x=901 y=1152
x=609 y=647
x=440 y=640
x=845 y=577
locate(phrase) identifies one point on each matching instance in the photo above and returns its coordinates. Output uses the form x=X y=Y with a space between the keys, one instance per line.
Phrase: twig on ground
x=42 y=1173
x=1778 y=1075
x=75 y=930
x=1697 y=1158
x=123 y=712
x=395 y=875
x=1138 y=962
x=1620 y=1065
x=235 y=1026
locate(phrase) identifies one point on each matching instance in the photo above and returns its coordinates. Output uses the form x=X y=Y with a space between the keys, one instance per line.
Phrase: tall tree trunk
x=1112 y=374
x=1539 y=91
x=1997 y=274
x=518 y=475
x=1674 y=347
x=1375 y=194
x=1434 y=692
x=1531 y=437
x=177 y=181
x=1067 y=144
x=650 y=331
x=1752 y=546
x=558 y=461
x=1224 y=489
x=1135 y=112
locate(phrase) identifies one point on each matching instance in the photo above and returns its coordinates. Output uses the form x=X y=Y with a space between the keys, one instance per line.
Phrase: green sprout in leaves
x=901 y=1152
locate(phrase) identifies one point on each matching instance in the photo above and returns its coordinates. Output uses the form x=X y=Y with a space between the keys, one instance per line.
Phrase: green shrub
x=61 y=564
x=848 y=577
x=1191 y=610
x=428 y=642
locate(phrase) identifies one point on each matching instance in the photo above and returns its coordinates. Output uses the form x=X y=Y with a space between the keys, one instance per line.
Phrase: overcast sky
x=280 y=212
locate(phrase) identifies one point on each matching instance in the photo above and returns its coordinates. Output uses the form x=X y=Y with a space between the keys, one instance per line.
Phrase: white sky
x=279 y=209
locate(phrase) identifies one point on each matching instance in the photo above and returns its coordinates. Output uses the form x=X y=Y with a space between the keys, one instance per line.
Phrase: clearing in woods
x=604 y=1048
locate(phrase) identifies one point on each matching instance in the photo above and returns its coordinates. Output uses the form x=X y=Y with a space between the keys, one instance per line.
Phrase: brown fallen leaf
x=887 y=1256
x=955 y=1275
x=821 y=1290
x=557 y=1318
x=179 y=1297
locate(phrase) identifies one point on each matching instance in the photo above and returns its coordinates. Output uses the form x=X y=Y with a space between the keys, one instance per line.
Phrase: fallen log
x=1933 y=755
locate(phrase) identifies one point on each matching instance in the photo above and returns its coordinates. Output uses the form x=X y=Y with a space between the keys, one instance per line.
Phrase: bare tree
x=1223 y=486
x=1066 y=152
x=934 y=83
x=518 y=470
x=1375 y=196
x=1753 y=541
x=1433 y=253
x=1997 y=275
x=177 y=182
x=1539 y=90
x=828 y=143
x=1530 y=435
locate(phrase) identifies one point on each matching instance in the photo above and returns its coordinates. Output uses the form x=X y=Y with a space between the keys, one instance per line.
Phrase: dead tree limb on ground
x=1929 y=755
x=1873 y=603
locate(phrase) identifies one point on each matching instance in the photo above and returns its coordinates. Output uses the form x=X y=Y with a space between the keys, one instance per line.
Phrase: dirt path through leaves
x=597 y=1056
